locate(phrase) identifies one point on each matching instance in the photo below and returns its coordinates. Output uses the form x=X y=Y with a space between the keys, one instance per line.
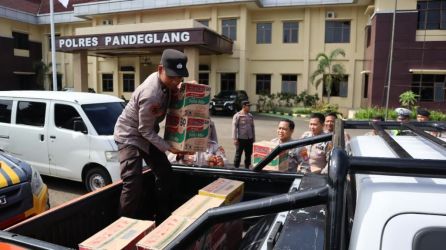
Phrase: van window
x=5 y=111
x=65 y=115
x=31 y=113
x=103 y=116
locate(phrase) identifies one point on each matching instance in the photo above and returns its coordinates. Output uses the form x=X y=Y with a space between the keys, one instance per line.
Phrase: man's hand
x=235 y=142
x=181 y=152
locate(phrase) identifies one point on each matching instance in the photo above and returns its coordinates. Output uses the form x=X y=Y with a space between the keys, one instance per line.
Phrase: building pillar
x=80 y=71
x=193 y=61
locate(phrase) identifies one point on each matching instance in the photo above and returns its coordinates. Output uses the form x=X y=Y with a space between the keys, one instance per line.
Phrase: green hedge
x=369 y=113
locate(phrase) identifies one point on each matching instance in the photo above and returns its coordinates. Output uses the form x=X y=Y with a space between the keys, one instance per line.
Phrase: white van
x=63 y=134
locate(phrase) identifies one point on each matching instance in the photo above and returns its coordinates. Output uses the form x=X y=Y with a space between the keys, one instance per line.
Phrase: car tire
x=96 y=178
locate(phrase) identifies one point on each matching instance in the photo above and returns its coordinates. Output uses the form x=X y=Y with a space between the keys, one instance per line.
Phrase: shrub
x=437 y=116
x=324 y=107
x=369 y=113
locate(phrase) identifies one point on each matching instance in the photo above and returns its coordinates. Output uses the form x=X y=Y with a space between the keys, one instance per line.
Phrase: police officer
x=403 y=116
x=136 y=133
x=243 y=134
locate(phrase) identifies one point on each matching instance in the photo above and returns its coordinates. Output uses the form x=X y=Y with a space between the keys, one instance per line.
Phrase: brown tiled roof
x=40 y=6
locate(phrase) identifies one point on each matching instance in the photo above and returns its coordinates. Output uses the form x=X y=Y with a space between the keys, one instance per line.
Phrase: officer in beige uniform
x=136 y=133
x=316 y=155
x=243 y=134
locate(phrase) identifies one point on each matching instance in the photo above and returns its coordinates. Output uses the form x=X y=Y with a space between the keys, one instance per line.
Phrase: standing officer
x=136 y=133
x=243 y=134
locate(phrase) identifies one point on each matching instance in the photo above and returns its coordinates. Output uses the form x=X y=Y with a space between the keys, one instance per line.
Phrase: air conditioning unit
x=330 y=15
x=107 y=22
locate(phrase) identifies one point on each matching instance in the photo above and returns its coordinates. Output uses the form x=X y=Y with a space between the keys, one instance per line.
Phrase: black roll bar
x=400 y=151
x=288 y=145
x=425 y=135
x=269 y=205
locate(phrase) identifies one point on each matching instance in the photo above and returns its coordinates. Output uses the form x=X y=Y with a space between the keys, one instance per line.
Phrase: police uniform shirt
x=243 y=126
x=138 y=123
x=317 y=153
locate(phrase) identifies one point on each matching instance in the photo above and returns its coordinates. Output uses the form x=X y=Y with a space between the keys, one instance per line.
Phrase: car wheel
x=96 y=178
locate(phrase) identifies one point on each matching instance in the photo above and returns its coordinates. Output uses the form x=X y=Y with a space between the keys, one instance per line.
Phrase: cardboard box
x=191 y=100
x=262 y=149
x=164 y=233
x=124 y=233
x=197 y=206
x=187 y=133
x=230 y=191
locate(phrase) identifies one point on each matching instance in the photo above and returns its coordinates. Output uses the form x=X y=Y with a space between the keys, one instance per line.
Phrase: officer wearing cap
x=403 y=116
x=136 y=134
x=423 y=115
x=243 y=134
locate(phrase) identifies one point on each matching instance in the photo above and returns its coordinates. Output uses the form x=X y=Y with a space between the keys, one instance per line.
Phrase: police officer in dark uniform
x=136 y=133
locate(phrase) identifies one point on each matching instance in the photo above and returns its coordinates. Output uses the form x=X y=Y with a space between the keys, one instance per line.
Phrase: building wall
x=16 y=65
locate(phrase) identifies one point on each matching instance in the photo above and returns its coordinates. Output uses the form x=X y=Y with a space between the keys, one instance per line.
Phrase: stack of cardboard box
x=187 y=121
x=219 y=193
x=262 y=149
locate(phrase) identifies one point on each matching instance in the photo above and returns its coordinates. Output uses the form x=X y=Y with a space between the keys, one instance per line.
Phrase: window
x=103 y=116
x=31 y=113
x=337 y=31
x=203 y=78
x=229 y=28
x=290 y=32
x=431 y=15
x=366 y=86
x=5 y=111
x=128 y=81
x=107 y=82
x=289 y=84
x=65 y=115
x=21 y=40
x=264 y=33
x=368 y=33
x=227 y=81
x=429 y=87
x=338 y=88
x=263 y=84
x=204 y=22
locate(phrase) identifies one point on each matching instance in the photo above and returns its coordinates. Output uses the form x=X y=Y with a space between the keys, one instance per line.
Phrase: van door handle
x=52 y=136
x=41 y=137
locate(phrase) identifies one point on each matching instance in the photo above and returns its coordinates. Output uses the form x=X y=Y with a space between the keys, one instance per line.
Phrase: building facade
x=265 y=46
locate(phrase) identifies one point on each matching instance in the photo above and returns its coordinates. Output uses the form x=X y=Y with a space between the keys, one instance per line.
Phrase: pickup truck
x=381 y=192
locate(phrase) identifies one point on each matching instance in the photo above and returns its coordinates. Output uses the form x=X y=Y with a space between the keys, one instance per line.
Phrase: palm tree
x=327 y=71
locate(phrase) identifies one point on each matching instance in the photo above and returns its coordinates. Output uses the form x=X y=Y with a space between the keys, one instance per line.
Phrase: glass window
x=21 y=40
x=229 y=28
x=429 y=88
x=5 y=111
x=203 y=78
x=65 y=115
x=103 y=116
x=337 y=31
x=338 y=88
x=289 y=84
x=31 y=113
x=227 y=81
x=128 y=81
x=290 y=32
x=264 y=33
x=204 y=22
x=107 y=82
x=263 y=84
x=431 y=14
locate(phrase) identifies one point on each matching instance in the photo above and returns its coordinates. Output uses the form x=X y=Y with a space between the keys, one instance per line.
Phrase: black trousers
x=130 y=158
x=243 y=145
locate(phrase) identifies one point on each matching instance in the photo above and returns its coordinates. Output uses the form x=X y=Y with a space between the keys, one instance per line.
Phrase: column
x=80 y=71
x=193 y=60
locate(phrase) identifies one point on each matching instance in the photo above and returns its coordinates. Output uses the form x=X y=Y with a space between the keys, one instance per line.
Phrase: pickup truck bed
x=71 y=223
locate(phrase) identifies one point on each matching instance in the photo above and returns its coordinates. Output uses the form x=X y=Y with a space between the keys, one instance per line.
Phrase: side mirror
x=79 y=125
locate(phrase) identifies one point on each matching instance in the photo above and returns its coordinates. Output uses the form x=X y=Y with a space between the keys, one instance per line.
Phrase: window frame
x=290 y=31
x=106 y=82
x=225 y=81
x=20 y=40
x=263 y=84
x=289 y=82
x=8 y=109
x=228 y=29
x=340 y=91
x=424 y=85
x=331 y=32
x=21 y=121
x=128 y=85
x=426 y=10
x=264 y=33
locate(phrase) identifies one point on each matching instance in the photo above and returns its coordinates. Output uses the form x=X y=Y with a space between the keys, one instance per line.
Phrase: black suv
x=228 y=101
